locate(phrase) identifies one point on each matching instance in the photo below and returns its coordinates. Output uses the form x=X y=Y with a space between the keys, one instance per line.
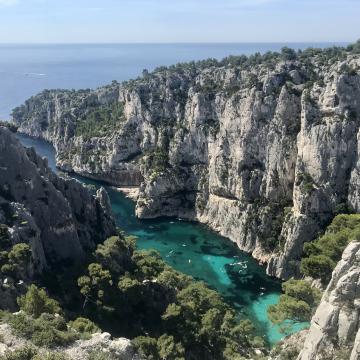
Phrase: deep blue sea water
x=27 y=69
x=189 y=247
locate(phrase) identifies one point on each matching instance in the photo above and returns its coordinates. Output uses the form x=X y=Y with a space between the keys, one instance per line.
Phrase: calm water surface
x=28 y=69
x=197 y=251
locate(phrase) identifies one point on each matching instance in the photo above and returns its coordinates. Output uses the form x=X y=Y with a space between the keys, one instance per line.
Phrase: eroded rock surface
x=265 y=154
x=57 y=217
x=335 y=327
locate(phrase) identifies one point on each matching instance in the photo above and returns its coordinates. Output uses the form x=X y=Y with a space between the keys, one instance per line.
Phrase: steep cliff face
x=335 y=327
x=264 y=153
x=57 y=217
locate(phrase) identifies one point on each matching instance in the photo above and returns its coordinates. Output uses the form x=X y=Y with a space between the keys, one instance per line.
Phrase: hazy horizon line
x=183 y=42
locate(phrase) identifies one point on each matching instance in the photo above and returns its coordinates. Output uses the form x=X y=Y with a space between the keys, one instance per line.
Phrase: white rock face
x=57 y=217
x=117 y=349
x=266 y=155
x=335 y=325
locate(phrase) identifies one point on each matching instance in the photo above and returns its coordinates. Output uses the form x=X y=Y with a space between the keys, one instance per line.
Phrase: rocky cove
x=333 y=330
x=263 y=149
x=197 y=251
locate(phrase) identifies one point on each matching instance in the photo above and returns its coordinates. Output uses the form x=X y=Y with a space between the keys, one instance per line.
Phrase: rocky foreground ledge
x=262 y=149
x=100 y=343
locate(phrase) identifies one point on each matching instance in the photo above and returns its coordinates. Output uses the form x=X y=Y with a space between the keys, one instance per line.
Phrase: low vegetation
x=297 y=303
x=134 y=294
x=150 y=299
x=41 y=322
x=300 y=299
x=14 y=259
x=323 y=56
x=101 y=121
x=306 y=183
x=30 y=353
x=322 y=255
x=157 y=161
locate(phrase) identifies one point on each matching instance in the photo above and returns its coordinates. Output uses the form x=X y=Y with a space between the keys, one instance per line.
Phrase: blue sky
x=72 y=21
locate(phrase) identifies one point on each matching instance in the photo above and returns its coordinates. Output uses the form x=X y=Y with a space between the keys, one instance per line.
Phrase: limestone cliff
x=335 y=328
x=265 y=150
x=57 y=217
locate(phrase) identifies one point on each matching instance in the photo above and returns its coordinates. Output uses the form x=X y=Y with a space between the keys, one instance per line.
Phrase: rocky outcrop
x=335 y=327
x=265 y=152
x=289 y=348
x=103 y=344
x=100 y=345
x=337 y=320
x=57 y=217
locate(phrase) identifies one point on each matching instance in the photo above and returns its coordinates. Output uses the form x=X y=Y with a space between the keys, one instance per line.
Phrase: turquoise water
x=197 y=251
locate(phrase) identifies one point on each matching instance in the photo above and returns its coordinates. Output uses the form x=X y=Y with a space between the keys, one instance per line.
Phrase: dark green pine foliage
x=135 y=293
x=100 y=121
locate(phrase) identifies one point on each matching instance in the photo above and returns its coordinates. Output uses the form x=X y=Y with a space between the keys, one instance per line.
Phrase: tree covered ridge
x=170 y=315
x=333 y=54
x=134 y=294
x=92 y=117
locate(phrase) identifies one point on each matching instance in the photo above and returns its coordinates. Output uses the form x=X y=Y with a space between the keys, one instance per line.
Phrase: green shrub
x=36 y=301
x=322 y=255
x=157 y=161
x=16 y=261
x=302 y=290
x=4 y=237
x=168 y=348
x=318 y=267
x=30 y=353
x=288 y=54
x=289 y=308
x=149 y=264
x=83 y=325
x=45 y=331
x=115 y=254
x=24 y=353
x=174 y=279
x=131 y=288
x=147 y=347
x=297 y=303
x=306 y=182
x=97 y=286
x=101 y=121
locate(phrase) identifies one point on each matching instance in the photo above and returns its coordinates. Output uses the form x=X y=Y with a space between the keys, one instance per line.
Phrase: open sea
x=28 y=69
